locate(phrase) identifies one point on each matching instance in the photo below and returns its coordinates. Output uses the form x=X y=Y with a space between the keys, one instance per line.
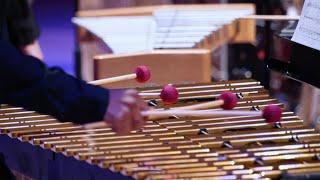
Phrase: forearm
x=27 y=82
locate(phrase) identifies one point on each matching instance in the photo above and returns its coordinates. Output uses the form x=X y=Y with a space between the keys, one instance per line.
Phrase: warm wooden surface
x=309 y=109
x=272 y=17
x=98 y=4
x=167 y=66
x=88 y=50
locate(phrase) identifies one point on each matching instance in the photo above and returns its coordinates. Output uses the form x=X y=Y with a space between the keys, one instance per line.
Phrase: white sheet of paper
x=122 y=34
x=308 y=29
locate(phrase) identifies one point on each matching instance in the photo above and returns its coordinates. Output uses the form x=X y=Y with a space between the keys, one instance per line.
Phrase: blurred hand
x=123 y=113
x=32 y=49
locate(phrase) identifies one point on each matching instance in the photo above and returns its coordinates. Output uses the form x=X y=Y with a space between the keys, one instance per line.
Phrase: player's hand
x=123 y=113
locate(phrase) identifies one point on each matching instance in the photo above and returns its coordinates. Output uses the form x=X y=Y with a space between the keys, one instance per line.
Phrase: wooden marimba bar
x=233 y=147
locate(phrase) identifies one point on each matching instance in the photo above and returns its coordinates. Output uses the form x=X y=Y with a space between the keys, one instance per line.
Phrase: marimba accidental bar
x=235 y=147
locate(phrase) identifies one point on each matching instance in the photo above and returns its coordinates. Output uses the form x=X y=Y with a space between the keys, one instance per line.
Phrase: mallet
x=141 y=74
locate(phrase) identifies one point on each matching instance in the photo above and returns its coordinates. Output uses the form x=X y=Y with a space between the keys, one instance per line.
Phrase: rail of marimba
x=184 y=36
x=233 y=147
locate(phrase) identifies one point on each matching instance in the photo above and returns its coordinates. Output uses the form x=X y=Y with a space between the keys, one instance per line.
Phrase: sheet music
x=308 y=29
x=122 y=34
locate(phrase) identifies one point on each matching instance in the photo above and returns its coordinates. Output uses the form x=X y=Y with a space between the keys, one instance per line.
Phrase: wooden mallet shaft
x=271 y=113
x=199 y=106
x=272 y=17
x=227 y=100
x=150 y=94
x=141 y=74
x=206 y=105
x=198 y=113
x=155 y=114
x=114 y=79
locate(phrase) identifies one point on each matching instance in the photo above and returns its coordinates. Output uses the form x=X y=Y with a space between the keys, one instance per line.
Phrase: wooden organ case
x=183 y=36
x=232 y=147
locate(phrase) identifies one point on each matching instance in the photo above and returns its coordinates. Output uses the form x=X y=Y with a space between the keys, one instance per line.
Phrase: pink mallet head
x=230 y=100
x=272 y=113
x=169 y=94
x=143 y=74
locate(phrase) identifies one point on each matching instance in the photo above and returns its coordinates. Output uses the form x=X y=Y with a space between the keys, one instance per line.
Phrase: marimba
x=233 y=147
x=181 y=36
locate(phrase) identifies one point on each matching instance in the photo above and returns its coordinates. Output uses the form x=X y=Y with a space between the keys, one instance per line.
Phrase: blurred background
x=58 y=33
x=57 y=37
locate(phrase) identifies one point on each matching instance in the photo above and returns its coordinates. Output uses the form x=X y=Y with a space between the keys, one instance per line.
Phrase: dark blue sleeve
x=27 y=82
